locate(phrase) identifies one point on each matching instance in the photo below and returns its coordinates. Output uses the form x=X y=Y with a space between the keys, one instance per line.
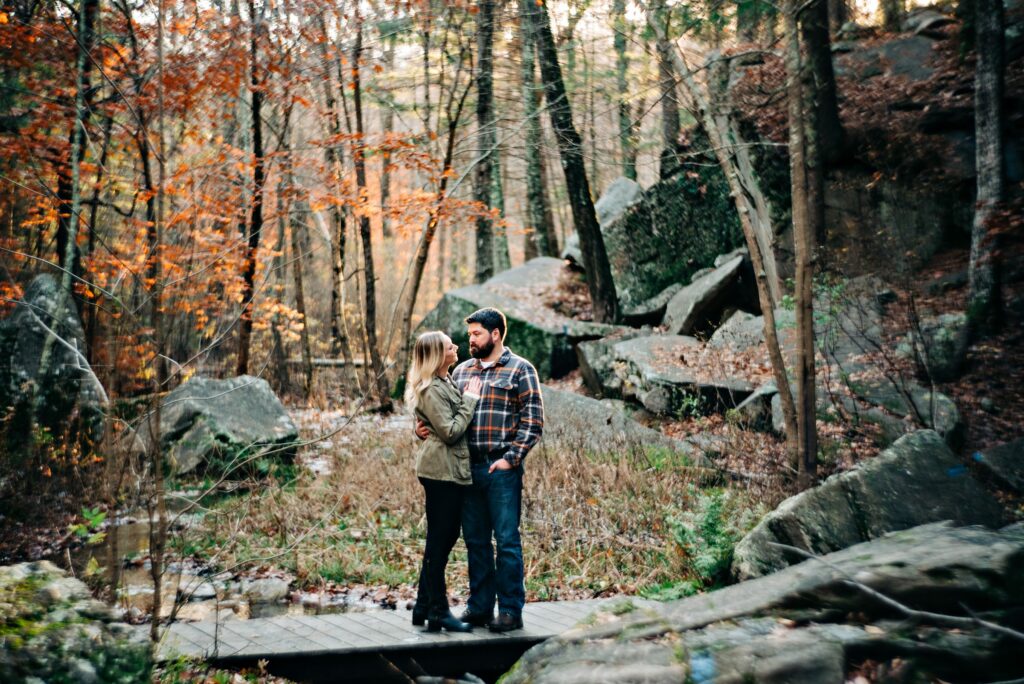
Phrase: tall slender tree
x=359 y=161
x=806 y=194
x=627 y=142
x=595 y=257
x=482 y=176
x=984 y=298
x=818 y=48
x=538 y=227
x=255 y=227
x=669 y=161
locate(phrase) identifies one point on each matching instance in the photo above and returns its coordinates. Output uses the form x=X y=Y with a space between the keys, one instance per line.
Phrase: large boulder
x=660 y=371
x=917 y=480
x=698 y=307
x=1004 y=464
x=674 y=228
x=573 y=421
x=818 y=621
x=68 y=396
x=235 y=422
x=535 y=331
x=54 y=631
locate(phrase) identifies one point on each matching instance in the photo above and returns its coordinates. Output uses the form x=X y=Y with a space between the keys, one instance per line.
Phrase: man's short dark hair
x=491 y=319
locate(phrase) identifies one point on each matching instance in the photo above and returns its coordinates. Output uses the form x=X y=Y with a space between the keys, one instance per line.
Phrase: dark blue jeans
x=491 y=509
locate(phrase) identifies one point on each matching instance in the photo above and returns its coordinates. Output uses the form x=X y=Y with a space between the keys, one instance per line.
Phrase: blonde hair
x=427 y=357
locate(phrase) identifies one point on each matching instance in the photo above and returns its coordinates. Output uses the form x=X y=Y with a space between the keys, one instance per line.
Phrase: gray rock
x=699 y=306
x=58 y=633
x=205 y=419
x=723 y=259
x=925 y=21
x=69 y=393
x=649 y=371
x=778 y=417
x=909 y=57
x=758 y=630
x=597 y=362
x=1004 y=464
x=755 y=412
x=676 y=227
x=535 y=331
x=651 y=311
x=617 y=198
x=917 y=480
x=573 y=421
x=740 y=331
x=941 y=345
x=265 y=590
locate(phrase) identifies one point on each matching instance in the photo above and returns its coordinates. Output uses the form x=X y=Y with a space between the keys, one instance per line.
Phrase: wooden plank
x=357 y=632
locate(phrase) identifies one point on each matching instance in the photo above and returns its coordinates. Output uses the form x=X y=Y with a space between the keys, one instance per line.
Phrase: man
x=507 y=423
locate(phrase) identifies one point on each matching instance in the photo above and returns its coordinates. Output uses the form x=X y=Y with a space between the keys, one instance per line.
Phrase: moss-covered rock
x=232 y=423
x=53 y=631
x=536 y=332
x=917 y=480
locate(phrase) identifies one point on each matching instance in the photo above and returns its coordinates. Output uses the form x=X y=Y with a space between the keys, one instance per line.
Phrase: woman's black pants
x=444 y=518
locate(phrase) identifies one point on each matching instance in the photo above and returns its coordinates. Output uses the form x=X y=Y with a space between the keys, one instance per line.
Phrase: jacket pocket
x=461 y=471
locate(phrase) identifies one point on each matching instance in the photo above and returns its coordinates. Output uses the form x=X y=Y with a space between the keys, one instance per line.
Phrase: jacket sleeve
x=531 y=416
x=437 y=410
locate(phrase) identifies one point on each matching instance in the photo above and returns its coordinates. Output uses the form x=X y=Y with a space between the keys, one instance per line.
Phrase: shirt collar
x=502 y=360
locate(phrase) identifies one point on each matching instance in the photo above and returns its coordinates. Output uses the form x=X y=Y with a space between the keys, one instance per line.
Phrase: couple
x=477 y=426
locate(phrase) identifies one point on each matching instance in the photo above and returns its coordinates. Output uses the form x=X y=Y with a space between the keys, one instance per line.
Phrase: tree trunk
x=158 y=532
x=752 y=209
x=538 y=227
x=502 y=262
x=984 y=299
x=892 y=15
x=67 y=251
x=92 y=322
x=339 y=328
x=385 y=158
x=627 y=142
x=804 y=240
x=595 y=258
x=256 y=215
x=370 y=324
x=838 y=14
x=70 y=249
x=298 y=253
x=427 y=238
x=485 y=136
x=669 y=160
x=818 y=47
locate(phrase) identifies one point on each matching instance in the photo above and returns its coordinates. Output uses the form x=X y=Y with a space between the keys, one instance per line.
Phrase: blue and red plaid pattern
x=510 y=415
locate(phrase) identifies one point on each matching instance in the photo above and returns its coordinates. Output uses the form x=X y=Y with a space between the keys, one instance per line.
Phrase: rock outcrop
x=232 y=423
x=68 y=396
x=54 y=631
x=535 y=331
x=817 y=621
x=917 y=480
x=650 y=372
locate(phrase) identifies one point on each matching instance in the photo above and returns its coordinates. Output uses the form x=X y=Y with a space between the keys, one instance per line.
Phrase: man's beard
x=482 y=352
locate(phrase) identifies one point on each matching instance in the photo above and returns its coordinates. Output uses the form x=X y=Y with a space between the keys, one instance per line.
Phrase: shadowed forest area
x=765 y=257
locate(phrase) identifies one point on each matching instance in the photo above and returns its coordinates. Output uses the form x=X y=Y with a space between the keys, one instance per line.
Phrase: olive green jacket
x=444 y=455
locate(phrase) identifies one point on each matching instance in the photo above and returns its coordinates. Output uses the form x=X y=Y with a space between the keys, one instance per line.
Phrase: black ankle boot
x=448 y=622
x=419 y=614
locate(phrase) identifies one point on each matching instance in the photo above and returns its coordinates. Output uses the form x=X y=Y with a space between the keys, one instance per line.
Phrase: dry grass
x=593 y=523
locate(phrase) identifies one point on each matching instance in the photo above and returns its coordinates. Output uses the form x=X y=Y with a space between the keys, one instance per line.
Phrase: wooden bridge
x=377 y=646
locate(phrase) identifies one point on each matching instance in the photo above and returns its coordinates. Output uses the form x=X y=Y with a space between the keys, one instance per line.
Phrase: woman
x=442 y=466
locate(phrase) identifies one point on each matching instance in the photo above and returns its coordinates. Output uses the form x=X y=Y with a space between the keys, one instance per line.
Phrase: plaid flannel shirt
x=510 y=415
